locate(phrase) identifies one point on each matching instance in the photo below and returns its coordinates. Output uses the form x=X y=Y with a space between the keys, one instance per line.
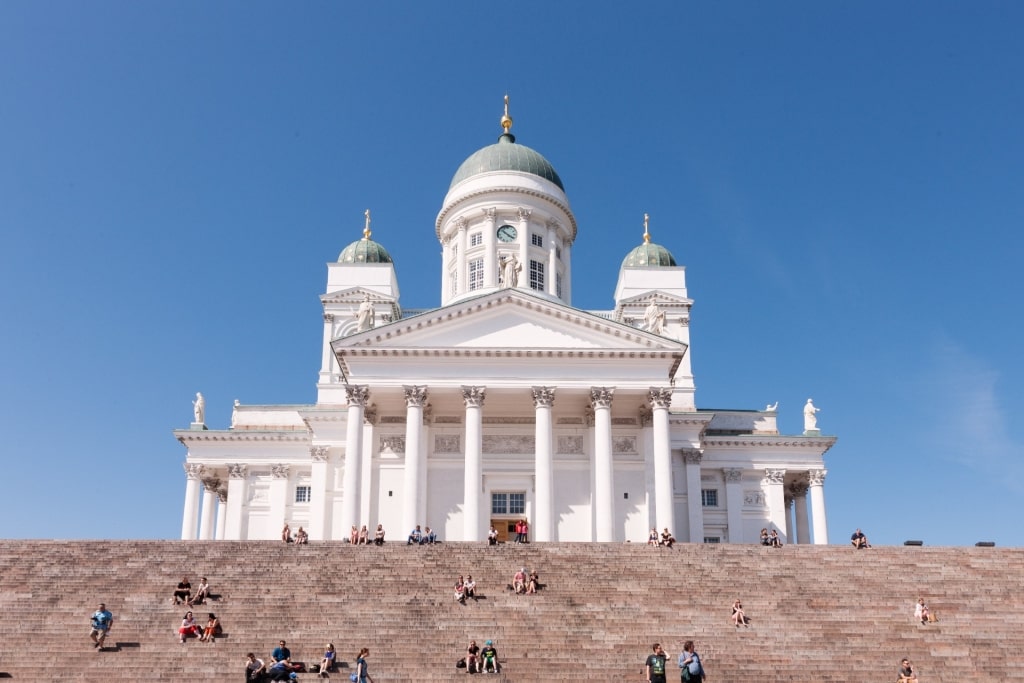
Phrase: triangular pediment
x=353 y=295
x=664 y=299
x=508 y=319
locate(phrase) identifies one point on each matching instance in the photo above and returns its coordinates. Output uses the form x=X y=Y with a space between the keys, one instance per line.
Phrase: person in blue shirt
x=415 y=536
x=101 y=622
x=689 y=662
x=281 y=652
x=429 y=537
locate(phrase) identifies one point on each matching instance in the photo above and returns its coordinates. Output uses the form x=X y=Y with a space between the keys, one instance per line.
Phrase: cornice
x=821 y=444
x=450 y=205
x=186 y=437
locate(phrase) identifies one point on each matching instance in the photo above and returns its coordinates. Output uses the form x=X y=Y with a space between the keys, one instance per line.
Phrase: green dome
x=364 y=251
x=506 y=155
x=649 y=255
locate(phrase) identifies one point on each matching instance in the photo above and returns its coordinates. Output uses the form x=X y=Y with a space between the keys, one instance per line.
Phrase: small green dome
x=364 y=251
x=506 y=155
x=649 y=255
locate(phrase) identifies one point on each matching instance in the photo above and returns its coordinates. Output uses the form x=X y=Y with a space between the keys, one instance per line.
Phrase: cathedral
x=505 y=403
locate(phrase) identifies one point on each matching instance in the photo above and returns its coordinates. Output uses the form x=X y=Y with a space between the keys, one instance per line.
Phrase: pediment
x=664 y=299
x=508 y=320
x=353 y=295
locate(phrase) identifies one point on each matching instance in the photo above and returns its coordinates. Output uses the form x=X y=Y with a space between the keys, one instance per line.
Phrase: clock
x=507 y=233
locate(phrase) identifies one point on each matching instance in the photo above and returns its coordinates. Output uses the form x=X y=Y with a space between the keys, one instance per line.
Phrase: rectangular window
x=712 y=539
x=508 y=503
x=558 y=285
x=476 y=239
x=558 y=252
x=499 y=503
x=709 y=498
x=476 y=274
x=537 y=275
x=302 y=494
x=455 y=283
x=537 y=240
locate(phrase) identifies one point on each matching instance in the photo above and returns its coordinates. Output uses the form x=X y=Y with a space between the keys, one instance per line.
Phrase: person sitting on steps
x=469 y=587
x=738 y=617
x=202 y=593
x=519 y=581
x=774 y=540
x=652 y=538
x=378 y=536
x=489 y=658
x=183 y=592
x=859 y=541
x=667 y=539
x=301 y=537
x=415 y=536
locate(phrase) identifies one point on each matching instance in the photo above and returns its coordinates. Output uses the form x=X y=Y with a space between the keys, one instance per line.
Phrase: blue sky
x=842 y=180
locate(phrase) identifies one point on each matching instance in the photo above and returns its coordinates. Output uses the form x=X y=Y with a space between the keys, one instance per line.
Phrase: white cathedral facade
x=505 y=403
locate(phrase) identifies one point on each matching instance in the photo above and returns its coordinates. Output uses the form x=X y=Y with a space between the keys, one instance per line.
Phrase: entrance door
x=506 y=529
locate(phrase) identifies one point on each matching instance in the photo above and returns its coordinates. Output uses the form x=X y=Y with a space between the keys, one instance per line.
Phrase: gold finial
x=647 y=235
x=506 y=120
x=366 y=228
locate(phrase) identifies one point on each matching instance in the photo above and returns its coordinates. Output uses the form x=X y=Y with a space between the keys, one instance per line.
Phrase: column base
x=812 y=432
x=198 y=426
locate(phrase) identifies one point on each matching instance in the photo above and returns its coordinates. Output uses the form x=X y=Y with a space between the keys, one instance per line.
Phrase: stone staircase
x=818 y=613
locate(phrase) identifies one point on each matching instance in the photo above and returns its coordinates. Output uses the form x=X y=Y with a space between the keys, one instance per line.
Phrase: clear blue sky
x=843 y=181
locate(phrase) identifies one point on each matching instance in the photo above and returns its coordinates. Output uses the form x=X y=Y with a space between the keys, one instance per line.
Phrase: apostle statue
x=654 y=318
x=199 y=408
x=810 y=419
x=366 y=316
x=510 y=268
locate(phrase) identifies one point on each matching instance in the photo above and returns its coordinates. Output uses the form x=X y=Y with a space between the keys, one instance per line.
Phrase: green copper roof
x=506 y=155
x=364 y=251
x=649 y=255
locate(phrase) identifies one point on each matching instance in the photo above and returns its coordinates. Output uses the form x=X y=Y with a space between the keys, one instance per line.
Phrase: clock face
x=507 y=233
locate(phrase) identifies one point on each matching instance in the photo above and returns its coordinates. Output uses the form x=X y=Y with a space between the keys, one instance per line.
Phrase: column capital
x=816 y=477
x=774 y=476
x=415 y=395
x=473 y=396
x=798 y=489
x=222 y=495
x=693 y=456
x=543 y=397
x=461 y=223
x=490 y=212
x=211 y=484
x=660 y=397
x=732 y=474
x=552 y=224
x=319 y=453
x=237 y=471
x=601 y=397
x=357 y=394
x=328 y=317
x=279 y=471
x=522 y=213
x=193 y=470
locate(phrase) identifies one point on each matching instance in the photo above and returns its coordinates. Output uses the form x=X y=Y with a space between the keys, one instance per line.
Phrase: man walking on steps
x=101 y=622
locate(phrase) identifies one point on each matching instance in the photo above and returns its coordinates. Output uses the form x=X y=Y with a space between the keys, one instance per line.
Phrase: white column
x=278 y=500
x=193 y=473
x=473 y=524
x=694 y=506
x=543 y=523
x=238 y=490
x=209 y=508
x=318 y=503
x=664 y=496
x=798 y=491
x=222 y=507
x=734 y=503
x=357 y=395
x=462 y=284
x=775 y=496
x=567 y=275
x=604 y=501
x=816 y=481
x=524 y=245
x=327 y=357
x=552 y=267
x=415 y=400
x=366 y=478
x=490 y=249
x=446 y=269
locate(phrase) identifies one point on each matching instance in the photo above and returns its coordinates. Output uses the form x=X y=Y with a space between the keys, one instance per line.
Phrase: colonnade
x=221 y=515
